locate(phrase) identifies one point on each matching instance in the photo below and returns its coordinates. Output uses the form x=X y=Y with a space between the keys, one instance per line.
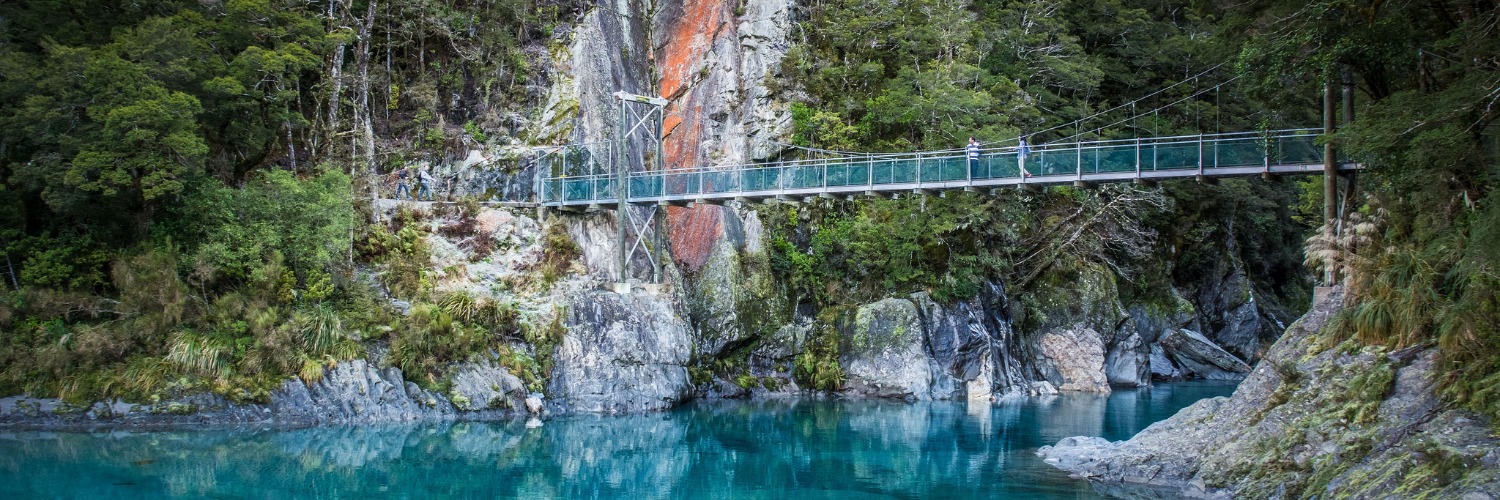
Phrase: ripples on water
x=755 y=449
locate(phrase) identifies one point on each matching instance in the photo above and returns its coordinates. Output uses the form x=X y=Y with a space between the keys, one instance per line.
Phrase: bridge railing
x=1201 y=153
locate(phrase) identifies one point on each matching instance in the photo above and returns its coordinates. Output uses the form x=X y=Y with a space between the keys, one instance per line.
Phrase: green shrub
x=817 y=367
x=558 y=253
x=429 y=339
x=231 y=230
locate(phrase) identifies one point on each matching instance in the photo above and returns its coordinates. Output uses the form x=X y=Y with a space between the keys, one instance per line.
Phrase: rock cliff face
x=710 y=61
x=1312 y=420
x=622 y=353
x=713 y=57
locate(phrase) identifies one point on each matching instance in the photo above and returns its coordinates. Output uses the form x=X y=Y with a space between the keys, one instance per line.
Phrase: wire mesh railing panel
x=718 y=182
x=997 y=166
x=848 y=174
x=942 y=169
x=1177 y=156
x=1114 y=159
x=760 y=179
x=1301 y=149
x=644 y=185
x=904 y=171
x=1053 y=162
x=1236 y=152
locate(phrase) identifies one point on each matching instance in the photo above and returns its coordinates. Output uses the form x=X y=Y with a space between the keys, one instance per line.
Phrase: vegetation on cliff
x=881 y=76
x=1420 y=256
x=184 y=185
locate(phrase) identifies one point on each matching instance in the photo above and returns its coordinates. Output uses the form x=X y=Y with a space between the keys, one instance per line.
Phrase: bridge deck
x=1148 y=159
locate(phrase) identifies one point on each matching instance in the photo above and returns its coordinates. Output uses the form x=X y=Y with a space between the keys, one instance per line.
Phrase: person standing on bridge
x=1021 y=152
x=972 y=151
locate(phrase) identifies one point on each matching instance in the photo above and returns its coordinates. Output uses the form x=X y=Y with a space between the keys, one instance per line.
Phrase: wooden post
x=1350 y=178
x=1330 y=162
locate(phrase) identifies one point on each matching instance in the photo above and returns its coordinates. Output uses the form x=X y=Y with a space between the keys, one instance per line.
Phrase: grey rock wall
x=356 y=391
x=622 y=353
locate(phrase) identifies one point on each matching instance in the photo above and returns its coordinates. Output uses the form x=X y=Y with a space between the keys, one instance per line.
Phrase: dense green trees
x=109 y=111
x=178 y=178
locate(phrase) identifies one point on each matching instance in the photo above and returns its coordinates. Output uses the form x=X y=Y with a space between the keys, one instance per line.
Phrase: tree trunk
x=362 y=110
x=335 y=69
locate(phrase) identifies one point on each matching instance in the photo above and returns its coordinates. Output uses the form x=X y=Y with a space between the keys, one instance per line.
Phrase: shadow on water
x=808 y=449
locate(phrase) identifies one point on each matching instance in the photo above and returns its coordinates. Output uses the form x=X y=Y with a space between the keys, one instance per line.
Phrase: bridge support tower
x=639 y=115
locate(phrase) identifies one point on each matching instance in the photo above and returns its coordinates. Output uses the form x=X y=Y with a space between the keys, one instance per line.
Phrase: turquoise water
x=756 y=449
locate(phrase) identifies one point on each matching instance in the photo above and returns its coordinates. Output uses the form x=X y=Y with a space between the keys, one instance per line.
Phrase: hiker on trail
x=972 y=151
x=1021 y=152
x=401 y=188
x=426 y=185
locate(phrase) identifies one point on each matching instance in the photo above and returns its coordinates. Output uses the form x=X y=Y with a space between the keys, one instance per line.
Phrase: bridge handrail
x=601 y=186
x=937 y=154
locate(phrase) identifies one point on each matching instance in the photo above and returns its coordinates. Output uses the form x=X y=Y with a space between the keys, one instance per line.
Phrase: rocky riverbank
x=355 y=392
x=1315 y=418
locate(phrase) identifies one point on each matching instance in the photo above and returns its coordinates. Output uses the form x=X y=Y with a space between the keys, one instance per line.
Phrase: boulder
x=1077 y=359
x=1162 y=367
x=486 y=386
x=1128 y=362
x=958 y=341
x=885 y=356
x=1199 y=356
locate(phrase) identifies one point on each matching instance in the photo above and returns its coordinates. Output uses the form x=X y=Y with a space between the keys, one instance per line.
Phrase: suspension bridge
x=1142 y=160
x=627 y=175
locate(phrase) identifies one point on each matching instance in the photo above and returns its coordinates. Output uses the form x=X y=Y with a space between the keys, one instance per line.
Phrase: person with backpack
x=401 y=188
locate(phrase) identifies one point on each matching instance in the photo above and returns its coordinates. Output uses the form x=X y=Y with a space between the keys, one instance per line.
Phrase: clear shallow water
x=757 y=449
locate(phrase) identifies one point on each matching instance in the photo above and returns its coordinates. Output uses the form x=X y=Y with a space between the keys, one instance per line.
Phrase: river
x=718 y=449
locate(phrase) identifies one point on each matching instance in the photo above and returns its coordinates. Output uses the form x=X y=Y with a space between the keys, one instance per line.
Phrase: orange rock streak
x=692 y=231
